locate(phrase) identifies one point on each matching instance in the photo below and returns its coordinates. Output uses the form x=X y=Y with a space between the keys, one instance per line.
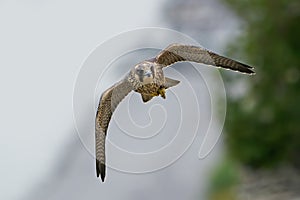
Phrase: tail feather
x=170 y=82
x=146 y=97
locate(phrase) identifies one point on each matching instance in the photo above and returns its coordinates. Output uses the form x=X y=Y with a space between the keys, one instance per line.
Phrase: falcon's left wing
x=178 y=52
x=108 y=103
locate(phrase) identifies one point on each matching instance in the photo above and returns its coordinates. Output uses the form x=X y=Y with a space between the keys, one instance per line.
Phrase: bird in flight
x=147 y=78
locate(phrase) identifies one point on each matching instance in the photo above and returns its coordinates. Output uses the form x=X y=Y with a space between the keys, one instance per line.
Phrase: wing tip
x=246 y=68
x=249 y=71
x=100 y=170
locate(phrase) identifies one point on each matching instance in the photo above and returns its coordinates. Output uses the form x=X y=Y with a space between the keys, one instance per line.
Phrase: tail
x=170 y=82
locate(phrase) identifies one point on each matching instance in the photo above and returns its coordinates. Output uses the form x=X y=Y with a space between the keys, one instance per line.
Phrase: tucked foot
x=162 y=92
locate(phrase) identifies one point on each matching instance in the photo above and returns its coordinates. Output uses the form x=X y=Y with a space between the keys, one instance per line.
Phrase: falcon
x=147 y=78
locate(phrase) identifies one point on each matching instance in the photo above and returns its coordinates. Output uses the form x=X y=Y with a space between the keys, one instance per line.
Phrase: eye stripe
x=152 y=69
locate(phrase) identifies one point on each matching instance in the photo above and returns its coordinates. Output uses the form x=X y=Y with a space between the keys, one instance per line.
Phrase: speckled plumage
x=147 y=78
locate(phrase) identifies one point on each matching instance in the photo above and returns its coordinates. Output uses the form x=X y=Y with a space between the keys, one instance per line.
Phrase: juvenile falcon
x=147 y=78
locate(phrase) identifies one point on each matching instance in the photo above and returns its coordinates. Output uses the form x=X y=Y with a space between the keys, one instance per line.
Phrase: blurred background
x=43 y=45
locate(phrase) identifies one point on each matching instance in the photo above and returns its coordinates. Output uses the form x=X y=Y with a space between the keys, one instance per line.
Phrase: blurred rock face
x=277 y=184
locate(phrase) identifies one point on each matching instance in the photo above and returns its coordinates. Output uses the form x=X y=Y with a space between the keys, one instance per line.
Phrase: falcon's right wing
x=108 y=103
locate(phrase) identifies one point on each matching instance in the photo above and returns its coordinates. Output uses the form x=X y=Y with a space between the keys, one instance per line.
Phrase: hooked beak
x=147 y=73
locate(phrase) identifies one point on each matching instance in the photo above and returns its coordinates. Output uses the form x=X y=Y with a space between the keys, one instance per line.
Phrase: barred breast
x=148 y=88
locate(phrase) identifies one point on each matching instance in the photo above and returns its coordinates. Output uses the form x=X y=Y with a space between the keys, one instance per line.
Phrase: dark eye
x=139 y=71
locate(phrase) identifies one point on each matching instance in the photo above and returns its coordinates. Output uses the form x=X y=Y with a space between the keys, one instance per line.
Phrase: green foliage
x=223 y=181
x=263 y=126
x=224 y=177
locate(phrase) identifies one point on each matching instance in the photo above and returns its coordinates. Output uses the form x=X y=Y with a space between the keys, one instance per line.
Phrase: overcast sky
x=42 y=46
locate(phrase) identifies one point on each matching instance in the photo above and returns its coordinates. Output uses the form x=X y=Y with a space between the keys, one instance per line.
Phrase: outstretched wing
x=108 y=103
x=177 y=52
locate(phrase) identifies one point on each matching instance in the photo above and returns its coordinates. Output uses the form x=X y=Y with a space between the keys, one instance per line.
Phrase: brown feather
x=108 y=103
x=177 y=52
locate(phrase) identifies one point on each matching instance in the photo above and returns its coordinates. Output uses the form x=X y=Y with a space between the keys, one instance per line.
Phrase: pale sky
x=42 y=46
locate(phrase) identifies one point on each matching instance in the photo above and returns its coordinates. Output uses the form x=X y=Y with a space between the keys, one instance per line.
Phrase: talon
x=162 y=92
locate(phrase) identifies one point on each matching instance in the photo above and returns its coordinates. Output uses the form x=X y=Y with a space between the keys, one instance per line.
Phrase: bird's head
x=144 y=72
